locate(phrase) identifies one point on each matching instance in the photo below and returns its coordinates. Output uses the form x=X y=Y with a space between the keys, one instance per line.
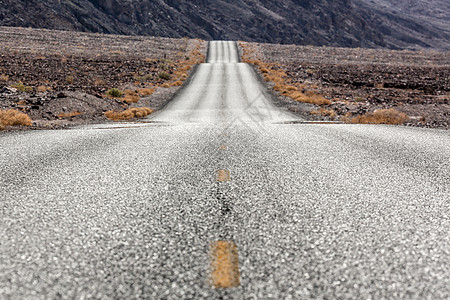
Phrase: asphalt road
x=315 y=211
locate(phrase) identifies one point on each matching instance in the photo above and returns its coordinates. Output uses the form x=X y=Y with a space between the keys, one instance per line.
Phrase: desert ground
x=61 y=79
x=360 y=81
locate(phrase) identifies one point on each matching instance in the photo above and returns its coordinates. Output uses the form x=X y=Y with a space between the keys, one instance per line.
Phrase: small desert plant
x=43 y=88
x=146 y=91
x=22 y=88
x=164 y=75
x=380 y=116
x=70 y=79
x=115 y=93
x=324 y=112
x=11 y=117
x=131 y=96
x=128 y=114
x=4 y=77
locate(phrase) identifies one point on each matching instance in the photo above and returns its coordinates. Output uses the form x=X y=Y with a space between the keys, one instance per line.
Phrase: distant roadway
x=223 y=195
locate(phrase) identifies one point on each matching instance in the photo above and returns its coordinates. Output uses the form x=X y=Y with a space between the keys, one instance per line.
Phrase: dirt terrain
x=62 y=78
x=360 y=81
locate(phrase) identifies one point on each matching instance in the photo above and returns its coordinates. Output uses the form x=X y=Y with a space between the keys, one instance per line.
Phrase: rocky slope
x=349 y=23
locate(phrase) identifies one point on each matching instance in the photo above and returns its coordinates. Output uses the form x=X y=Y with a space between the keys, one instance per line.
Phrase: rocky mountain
x=348 y=23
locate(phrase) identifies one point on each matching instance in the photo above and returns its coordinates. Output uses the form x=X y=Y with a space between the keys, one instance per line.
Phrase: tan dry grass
x=11 y=117
x=43 y=89
x=380 y=116
x=325 y=112
x=128 y=114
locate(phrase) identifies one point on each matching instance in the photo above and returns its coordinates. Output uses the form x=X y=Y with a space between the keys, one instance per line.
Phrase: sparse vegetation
x=131 y=96
x=43 y=89
x=22 y=88
x=380 y=116
x=11 y=117
x=70 y=79
x=275 y=74
x=324 y=112
x=4 y=77
x=114 y=92
x=163 y=75
x=130 y=113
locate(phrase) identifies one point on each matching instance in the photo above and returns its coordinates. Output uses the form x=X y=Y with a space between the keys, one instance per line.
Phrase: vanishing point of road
x=223 y=195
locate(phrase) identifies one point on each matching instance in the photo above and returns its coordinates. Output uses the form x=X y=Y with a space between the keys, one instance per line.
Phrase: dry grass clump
x=70 y=79
x=4 y=77
x=131 y=96
x=128 y=114
x=145 y=92
x=380 y=116
x=11 y=117
x=69 y=115
x=324 y=112
x=43 y=89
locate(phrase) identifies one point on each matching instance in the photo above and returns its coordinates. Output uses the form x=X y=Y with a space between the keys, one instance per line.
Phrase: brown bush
x=128 y=114
x=380 y=116
x=324 y=112
x=11 y=117
x=43 y=88
x=146 y=92
x=131 y=96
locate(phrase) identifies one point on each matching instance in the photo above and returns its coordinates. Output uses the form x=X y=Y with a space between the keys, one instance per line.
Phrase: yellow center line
x=224 y=264
x=223 y=175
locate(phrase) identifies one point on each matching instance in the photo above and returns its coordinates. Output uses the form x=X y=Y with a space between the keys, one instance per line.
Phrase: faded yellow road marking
x=223 y=175
x=223 y=147
x=224 y=264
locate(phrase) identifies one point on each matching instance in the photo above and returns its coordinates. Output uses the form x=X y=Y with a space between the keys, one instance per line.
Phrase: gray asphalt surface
x=317 y=211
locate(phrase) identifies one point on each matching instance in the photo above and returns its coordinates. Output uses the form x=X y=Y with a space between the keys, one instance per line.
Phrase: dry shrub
x=43 y=89
x=128 y=114
x=69 y=115
x=146 y=92
x=2 y=127
x=11 y=117
x=70 y=79
x=114 y=92
x=176 y=83
x=380 y=116
x=324 y=112
x=131 y=96
x=4 y=77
